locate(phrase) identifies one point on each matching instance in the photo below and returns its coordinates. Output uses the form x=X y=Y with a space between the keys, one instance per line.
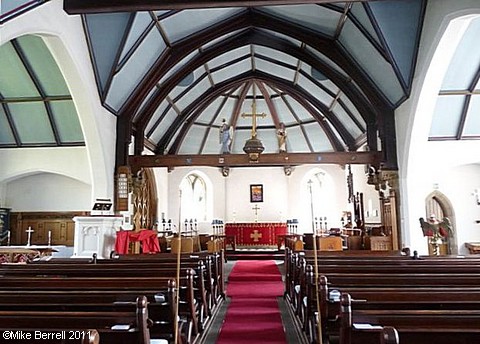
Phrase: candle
x=49 y=237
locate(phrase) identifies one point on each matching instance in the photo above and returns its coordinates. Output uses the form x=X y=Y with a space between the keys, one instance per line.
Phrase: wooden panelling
x=60 y=225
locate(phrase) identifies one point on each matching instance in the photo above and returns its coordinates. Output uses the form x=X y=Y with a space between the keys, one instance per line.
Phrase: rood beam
x=241 y=160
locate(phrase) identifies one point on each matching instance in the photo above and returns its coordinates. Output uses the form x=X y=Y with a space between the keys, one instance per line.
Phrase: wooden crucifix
x=254 y=115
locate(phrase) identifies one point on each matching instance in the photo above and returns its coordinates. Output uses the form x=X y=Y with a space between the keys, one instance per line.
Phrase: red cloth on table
x=147 y=237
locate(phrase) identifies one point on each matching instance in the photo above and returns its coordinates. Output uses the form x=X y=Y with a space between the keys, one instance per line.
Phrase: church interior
x=201 y=140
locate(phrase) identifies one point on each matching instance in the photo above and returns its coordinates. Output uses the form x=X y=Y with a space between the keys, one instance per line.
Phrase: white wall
x=285 y=197
x=48 y=192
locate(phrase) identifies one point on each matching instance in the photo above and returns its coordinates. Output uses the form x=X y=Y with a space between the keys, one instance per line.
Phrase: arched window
x=320 y=200
x=318 y=197
x=194 y=198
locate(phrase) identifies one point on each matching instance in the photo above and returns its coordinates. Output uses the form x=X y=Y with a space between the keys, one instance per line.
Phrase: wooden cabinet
x=378 y=243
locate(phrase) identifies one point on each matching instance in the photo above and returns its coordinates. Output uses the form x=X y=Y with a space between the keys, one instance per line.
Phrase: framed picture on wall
x=256 y=193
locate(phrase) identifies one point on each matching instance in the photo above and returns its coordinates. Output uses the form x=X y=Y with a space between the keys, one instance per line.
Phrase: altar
x=256 y=234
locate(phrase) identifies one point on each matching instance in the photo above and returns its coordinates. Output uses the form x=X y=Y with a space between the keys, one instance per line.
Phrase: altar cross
x=255 y=235
x=29 y=233
x=254 y=115
x=256 y=208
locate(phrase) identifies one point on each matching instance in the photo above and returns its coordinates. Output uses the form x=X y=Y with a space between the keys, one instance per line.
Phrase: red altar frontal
x=256 y=233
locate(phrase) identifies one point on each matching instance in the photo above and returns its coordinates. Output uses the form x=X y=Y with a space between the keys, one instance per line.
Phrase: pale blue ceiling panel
x=315 y=17
x=358 y=11
x=226 y=111
x=346 y=120
x=232 y=70
x=156 y=116
x=300 y=112
x=66 y=121
x=275 y=69
x=6 y=135
x=145 y=102
x=269 y=140
x=187 y=82
x=294 y=41
x=229 y=56
x=446 y=116
x=189 y=22
x=212 y=143
x=400 y=24
x=32 y=123
x=219 y=39
x=106 y=32
x=353 y=110
x=213 y=109
x=15 y=82
x=296 y=141
x=139 y=28
x=465 y=61
x=372 y=62
x=163 y=126
x=196 y=92
x=472 y=122
x=284 y=113
x=275 y=55
x=177 y=66
x=44 y=65
x=128 y=78
x=314 y=90
x=318 y=138
x=326 y=61
x=193 y=140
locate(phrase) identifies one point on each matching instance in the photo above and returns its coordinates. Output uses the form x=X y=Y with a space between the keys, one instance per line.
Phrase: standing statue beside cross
x=225 y=137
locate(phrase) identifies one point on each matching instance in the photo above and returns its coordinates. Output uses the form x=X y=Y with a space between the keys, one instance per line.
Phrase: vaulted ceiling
x=332 y=72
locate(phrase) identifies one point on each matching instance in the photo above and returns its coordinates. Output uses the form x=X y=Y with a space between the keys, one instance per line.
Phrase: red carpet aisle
x=253 y=315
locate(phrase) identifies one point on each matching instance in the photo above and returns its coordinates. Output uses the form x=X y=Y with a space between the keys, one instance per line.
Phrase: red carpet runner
x=253 y=315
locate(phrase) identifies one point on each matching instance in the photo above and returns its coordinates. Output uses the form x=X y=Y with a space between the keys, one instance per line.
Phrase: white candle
x=49 y=237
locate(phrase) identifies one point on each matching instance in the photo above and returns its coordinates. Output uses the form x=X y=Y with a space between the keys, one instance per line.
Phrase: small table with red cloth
x=256 y=234
x=147 y=237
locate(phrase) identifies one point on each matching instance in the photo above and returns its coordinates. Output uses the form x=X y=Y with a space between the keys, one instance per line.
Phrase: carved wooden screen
x=144 y=200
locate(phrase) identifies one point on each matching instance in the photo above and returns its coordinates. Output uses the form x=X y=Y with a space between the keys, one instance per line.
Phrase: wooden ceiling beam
x=241 y=160
x=104 y=6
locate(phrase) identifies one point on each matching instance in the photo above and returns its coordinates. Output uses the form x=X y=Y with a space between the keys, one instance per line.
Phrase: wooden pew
x=343 y=268
x=55 y=336
x=161 y=312
x=129 y=325
x=111 y=284
x=416 y=326
x=207 y=293
x=122 y=270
